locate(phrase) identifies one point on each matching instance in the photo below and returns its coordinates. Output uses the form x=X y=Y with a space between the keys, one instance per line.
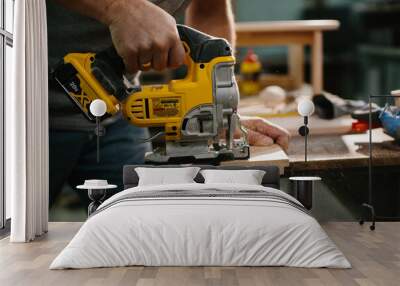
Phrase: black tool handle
x=203 y=47
x=108 y=68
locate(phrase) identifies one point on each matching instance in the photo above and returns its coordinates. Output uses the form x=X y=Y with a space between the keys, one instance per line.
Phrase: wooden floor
x=375 y=257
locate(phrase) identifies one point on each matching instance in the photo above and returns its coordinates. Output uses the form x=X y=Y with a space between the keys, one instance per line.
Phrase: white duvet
x=200 y=231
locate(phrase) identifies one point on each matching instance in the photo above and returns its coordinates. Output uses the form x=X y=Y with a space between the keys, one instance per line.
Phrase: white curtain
x=27 y=124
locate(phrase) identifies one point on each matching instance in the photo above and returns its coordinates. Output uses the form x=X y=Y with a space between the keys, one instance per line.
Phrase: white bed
x=224 y=225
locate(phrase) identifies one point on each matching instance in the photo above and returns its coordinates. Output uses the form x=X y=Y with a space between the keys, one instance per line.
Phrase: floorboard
x=375 y=257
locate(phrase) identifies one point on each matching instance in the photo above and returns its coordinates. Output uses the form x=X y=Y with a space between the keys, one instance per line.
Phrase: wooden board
x=264 y=156
x=375 y=259
x=271 y=33
x=326 y=152
x=344 y=151
x=285 y=26
x=288 y=118
x=318 y=126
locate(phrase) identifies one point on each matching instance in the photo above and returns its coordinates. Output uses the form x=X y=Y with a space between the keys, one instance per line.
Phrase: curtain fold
x=27 y=124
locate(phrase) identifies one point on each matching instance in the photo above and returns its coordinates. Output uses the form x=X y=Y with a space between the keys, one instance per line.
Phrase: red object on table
x=362 y=126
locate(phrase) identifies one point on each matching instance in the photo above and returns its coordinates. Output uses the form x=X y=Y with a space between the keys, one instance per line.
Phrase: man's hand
x=264 y=133
x=144 y=34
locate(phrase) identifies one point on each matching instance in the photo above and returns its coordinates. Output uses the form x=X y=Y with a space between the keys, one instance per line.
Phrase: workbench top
x=343 y=151
x=264 y=156
x=326 y=152
x=287 y=26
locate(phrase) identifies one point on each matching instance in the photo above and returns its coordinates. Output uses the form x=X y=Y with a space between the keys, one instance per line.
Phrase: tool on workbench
x=387 y=117
x=390 y=118
x=330 y=106
x=362 y=116
x=250 y=71
x=197 y=116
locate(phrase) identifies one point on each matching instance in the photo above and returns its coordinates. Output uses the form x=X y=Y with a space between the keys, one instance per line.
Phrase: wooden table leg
x=317 y=63
x=296 y=65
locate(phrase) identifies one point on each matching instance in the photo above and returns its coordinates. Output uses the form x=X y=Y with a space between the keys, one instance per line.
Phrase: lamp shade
x=98 y=107
x=305 y=107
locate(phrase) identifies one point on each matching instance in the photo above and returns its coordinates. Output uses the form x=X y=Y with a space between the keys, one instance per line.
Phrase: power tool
x=197 y=115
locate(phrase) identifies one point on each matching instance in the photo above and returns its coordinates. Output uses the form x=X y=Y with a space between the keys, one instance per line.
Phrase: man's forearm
x=96 y=9
x=142 y=32
x=217 y=21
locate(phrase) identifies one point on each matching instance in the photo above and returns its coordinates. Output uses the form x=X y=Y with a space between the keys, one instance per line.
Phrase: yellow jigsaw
x=197 y=115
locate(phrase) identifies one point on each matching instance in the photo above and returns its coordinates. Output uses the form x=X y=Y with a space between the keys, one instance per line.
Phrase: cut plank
x=318 y=126
x=263 y=156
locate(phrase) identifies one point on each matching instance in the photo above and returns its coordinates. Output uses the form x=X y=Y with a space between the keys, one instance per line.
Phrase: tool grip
x=108 y=67
x=202 y=47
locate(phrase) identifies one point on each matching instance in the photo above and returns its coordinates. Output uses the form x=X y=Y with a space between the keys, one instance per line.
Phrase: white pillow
x=245 y=177
x=166 y=176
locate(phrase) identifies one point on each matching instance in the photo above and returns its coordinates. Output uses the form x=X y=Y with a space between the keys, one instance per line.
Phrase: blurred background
x=362 y=57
